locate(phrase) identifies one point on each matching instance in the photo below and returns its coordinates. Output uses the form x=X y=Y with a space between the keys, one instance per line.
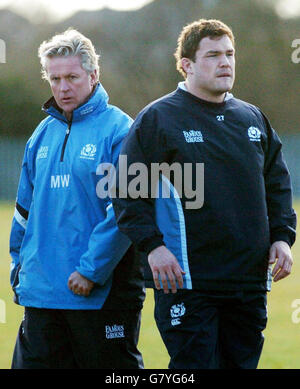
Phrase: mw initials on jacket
x=60 y=181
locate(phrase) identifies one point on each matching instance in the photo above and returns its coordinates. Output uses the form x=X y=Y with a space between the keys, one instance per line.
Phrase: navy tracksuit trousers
x=73 y=339
x=212 y=330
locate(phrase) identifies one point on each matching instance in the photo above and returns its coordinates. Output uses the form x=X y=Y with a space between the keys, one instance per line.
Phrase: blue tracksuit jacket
x=60 y=224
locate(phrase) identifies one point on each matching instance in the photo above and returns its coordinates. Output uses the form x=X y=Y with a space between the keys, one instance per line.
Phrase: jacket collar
x=97 y=102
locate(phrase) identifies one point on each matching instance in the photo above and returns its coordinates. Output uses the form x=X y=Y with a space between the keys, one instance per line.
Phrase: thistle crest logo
x=177 y=311
x=254 y=134
x=88 y=151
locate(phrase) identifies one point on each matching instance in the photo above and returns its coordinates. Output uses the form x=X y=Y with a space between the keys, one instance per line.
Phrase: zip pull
x=65 y=142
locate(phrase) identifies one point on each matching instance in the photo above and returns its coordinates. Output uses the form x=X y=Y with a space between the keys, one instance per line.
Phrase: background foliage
x=137 y=57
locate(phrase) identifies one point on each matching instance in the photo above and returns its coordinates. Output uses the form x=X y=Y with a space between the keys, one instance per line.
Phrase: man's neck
x=68 y=115
x=218 y=98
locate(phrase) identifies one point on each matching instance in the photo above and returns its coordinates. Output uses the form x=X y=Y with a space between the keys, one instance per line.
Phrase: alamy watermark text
x=2 y=311
x=138 y=180
x=296 y=53
x=2 y=51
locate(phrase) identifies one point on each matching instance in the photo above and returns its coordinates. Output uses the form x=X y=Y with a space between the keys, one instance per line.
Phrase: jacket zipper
x=65 y=141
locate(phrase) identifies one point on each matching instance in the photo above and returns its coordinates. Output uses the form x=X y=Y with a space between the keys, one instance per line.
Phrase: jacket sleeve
x=282 y=217
x=136 y=216
x=19 y=222
x=107 y=245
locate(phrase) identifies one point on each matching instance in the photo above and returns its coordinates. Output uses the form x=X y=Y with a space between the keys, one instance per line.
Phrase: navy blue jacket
x=224 y=244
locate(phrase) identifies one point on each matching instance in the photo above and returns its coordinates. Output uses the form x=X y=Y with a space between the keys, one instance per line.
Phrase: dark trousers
x=220 y=330
x=73 y=339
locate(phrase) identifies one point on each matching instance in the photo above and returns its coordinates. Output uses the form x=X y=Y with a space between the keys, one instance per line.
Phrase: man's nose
x=64 y=85
x=224 y=61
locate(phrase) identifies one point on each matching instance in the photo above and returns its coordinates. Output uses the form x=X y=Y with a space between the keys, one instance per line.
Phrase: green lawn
x=281 y=349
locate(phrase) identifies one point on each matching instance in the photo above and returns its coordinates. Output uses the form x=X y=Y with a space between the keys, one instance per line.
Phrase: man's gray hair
x=69 y=43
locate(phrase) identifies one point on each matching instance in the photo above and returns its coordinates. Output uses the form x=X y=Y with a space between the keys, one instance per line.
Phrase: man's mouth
x=224 y=75
x=66 y=99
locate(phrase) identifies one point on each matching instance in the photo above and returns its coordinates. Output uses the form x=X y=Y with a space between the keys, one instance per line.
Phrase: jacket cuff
x=90 y=275
x=149 y=244
x=282 y=236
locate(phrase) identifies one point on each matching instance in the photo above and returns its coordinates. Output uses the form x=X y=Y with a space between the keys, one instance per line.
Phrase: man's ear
x=93 y=77
x=186 y=65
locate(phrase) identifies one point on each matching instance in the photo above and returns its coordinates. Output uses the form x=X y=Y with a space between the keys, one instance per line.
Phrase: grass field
x=281 y=349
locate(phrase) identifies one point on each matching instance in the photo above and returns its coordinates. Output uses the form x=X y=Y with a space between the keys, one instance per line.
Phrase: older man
x=76 y=275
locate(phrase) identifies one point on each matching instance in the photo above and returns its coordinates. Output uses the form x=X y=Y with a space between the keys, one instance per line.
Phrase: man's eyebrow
x=64 y=75
x=219 y=51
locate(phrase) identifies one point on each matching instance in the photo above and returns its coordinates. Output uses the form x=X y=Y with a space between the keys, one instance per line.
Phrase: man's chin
x=222 y=91
x=226 y=87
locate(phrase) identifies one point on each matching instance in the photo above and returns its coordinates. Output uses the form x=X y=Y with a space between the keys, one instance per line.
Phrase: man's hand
x=281 y=251
x=162 y=262
x=79 y=284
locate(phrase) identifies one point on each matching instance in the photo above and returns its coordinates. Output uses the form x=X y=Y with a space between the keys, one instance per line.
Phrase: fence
x=11 y=155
